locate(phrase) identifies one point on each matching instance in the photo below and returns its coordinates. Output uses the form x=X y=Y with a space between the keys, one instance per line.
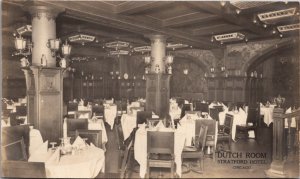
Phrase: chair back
x=14 y=151
x=93 y=136
x=211 y=126
x=22 y=169
x=98 y=110
x=185 y=107
x=72 y=106
x=160 y=142
x=253 y=115
x=21 y=110
x=76 y=124
x=203 y=107
x=200 y=144
x=142 y=116
x=214 y=113
x=228 y=124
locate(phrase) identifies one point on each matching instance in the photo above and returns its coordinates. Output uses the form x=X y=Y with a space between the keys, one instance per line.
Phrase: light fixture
x=169 y=59
x=26 y=29
x=119 y=52
x=223 y=3
x=142 y=49
x=185 y=71
x=117 y=44
x=212 y=69
x=276 y=16
x=290 y=27
x=23 y=46
x=81 y=38
x=236 y=36
x=66 y=49
x=176 y=45
x=238 y=11
x=147 y=60
x=53 y=44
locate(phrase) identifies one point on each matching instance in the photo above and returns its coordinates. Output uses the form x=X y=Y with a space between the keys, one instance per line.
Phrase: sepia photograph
x=150 y=89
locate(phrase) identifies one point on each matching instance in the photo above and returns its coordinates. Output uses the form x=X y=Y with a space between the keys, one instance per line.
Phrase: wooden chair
x=21 y=110
x=76 y=124
x=72 y=108
x=161 y=145
x=98 y=111
x=185 y=107
x=211 y=133
x=197 y=151
x=225 y=133
x=253 y=117
x=125 y=151
x=142 y=116
x=14 y=151
x=22 y=169
x=93 y=136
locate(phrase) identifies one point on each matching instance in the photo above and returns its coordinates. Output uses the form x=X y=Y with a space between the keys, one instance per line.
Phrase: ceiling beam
x=127 y=23
x=132 y=7
x=189 y=19
x=216 y=29
x=229 y=15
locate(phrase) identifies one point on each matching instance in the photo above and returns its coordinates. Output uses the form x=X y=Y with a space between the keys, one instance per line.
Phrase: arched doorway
x=275 y=71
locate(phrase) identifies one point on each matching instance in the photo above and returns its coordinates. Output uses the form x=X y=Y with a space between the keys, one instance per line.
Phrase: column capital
x=157 y=38
x=39 y=11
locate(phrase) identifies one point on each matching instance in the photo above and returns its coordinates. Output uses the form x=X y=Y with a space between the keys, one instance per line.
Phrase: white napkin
x=159 y=125
x=40 y=153
x=155 y=116
x=55 y=157
x=261 y=105
x=78 y=142
x=211 y=105
x=186 y=102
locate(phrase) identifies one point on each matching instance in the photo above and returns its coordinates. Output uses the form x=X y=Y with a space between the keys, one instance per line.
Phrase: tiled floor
x=212 y=169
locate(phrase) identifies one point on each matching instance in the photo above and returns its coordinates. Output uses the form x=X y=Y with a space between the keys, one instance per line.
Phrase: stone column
x=158 y=53
x=43 y=29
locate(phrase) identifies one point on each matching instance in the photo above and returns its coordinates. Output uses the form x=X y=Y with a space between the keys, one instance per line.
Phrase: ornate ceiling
x=187 y=22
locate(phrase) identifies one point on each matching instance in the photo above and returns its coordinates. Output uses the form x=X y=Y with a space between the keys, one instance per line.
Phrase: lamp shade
x=169 y=59
x=20 y=43
x=66 y=49
x=54 y=44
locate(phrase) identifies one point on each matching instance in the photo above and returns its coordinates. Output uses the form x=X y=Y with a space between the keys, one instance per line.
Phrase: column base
x=276 y=170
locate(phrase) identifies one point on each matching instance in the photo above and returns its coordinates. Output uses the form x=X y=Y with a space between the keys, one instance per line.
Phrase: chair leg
x=172 y=169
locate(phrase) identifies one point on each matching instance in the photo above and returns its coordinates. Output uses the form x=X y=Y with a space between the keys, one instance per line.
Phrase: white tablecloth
x=140 y=149
x=268 y=114
x=239 y=118
x=128 y=122
x=86 y=164
x=99 y=125
x=110 y=113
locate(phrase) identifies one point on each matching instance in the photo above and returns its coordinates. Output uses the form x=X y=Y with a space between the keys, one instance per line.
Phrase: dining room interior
x=150 y=89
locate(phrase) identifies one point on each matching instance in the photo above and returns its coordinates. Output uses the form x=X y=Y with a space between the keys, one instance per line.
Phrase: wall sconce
x=53 y=44
x=169 y=59
x=147 y=60
x=222 y=68
x=185 y=71
x=21 y=44
x=66 y=49
x=212 y=69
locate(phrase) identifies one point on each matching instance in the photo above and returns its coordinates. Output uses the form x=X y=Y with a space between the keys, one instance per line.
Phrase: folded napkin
x=55 y=157
x=155 y=116
x=4 y=124
x=186 y=102
x=261 y=105
x=79 y=142
x=39 y=154
x=160 y=125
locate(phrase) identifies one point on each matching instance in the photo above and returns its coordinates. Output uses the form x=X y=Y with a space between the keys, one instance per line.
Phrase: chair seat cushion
x=160 y=157
x=190 y=154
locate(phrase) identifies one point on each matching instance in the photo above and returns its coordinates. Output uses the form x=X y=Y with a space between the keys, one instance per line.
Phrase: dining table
x=110 y=113
x=86 y=163
x=98 y=125
x=140 y=147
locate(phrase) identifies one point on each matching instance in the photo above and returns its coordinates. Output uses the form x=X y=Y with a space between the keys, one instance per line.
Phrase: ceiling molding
x=188 y=19
x=132 y=7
